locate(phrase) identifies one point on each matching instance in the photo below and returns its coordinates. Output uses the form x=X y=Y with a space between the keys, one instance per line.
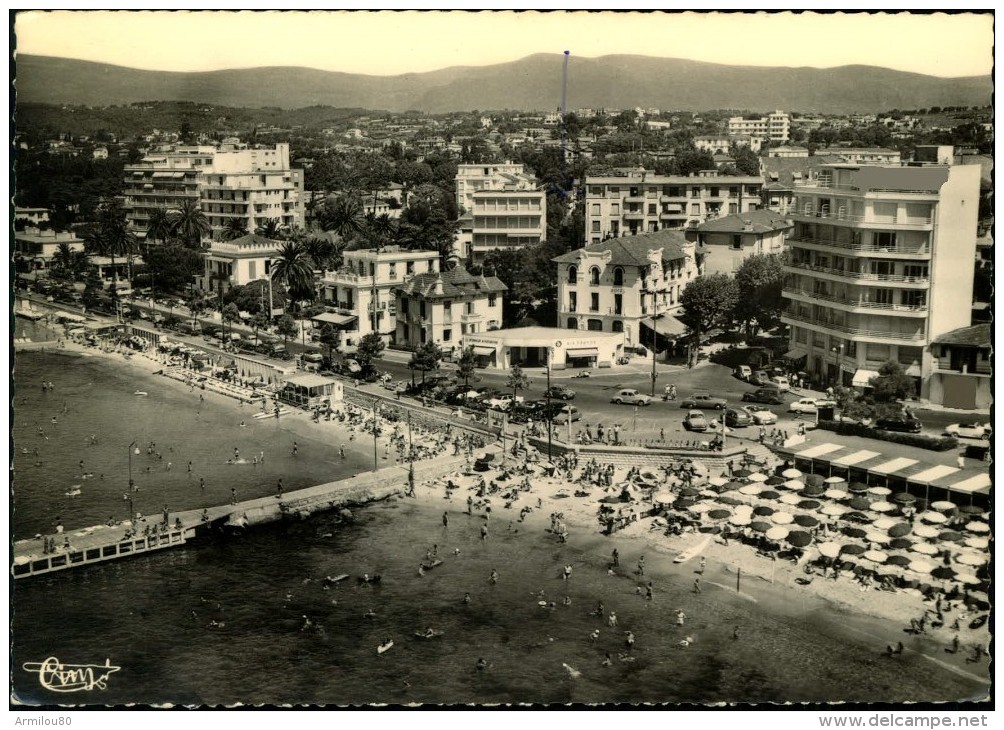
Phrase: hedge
x=932 y=443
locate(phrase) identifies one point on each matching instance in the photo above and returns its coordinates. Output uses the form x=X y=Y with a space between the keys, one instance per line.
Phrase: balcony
x=790 y=317
x=467 y=318
x=853 y=305
x=634 y=216
x=417 y=319
x=796 y=267
x=811 y=213
x=672 y=198
x=634 y=199
x=865 y=248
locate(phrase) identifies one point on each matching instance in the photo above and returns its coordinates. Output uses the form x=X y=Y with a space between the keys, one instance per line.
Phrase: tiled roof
x=785 y=167
x=976 y=336
x=457 y=283
x=633 y=250
x=762 y=221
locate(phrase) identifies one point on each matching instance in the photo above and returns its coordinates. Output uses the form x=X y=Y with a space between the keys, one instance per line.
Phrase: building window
x=737 y=243
x=573 y=301
x=595 y=226
x=615 y=209
x=915 y=298
x=618 y=276
x=573 y=275
x=594 y=325
x=596 y=208
x=714 y=192
x=409 y=268
x=695 y=192
x=594 y=276
x=594 y=302
x=695 y=209
x=618 y=304
x=492 y=299
x=616 y=326
x=651 y=208
x=572 y=323
x=393 y=271
x=447 y=335
x=884 y=240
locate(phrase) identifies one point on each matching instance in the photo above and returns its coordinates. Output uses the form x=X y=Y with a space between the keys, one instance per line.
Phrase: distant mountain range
x=534 y=82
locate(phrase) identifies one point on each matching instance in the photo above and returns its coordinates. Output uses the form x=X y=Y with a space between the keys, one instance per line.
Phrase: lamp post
x=547 y=395
x=838 y=356
x=655 y=333
x=375 y=402
x=133 y=446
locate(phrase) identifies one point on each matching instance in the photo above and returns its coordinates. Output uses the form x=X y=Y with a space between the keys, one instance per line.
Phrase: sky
x=399 y=42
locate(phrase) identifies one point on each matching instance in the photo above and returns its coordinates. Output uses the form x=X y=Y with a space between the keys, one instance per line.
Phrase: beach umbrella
x=665 y=497
x=883 y=523
x=834 y=493
x=834 y=510
x=924 y=531
x=751 y=490
x=925 y=548
x=781 y=518
x=943 y=572
x=725 y=499
x=899 y=529
x=852 y=549
x=743 y=509
x=809 y=504
x=701 y=507
x=760 y=526
x=815 y=480
x=876 y=556
x=739 y=520
x=731 y=486
x=719 y=514
x=857 y=517
x=971 y=559
x=757 y=477
x=882 y=507
x=689 y=492
x=708 y=493
x=971 y=509
x=763 y=511
x=922 y=566
x=799 y=538
x=879 y=491
x=888 y=571
x=774 y=480
x=967 y=578
x=879 y=538
x=791 y=473
x=812 y=490
x=699 y=468
x=980 y=543
x=943 y=505
x=777 y=533
x=794 y=485
x=859 y=503
x=742 y=473
x=769 y=494
x=900 y=543
x=829 y=549
x=717 y=490
x=935 y=518
x=978 y=527
x=683 y=504
x=806 y=520
x=792 y=499
x=905 y=498
x=857 y=487
x=718 y=481
x=834 y=480
x=853 y=531
x=898 y=560
x=951 y=536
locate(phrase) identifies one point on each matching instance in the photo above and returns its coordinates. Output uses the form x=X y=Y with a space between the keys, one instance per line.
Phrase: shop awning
x=818 y=450
x=855 y=458
x=583 y=352
x=979 y=484
x=892 y=466
x=862 y=376
x=70 y=317
x=794 y=354
x=935 y=472
x=334 y=318
x=913 y=371
x=483 y=350
x=666 y=325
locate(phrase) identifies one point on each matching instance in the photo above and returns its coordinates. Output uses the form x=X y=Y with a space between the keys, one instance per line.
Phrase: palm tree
x=191 y=224
x=321 y=251
x=235 y=228
x=62 y=260
x=160 y=227
x=343 y=215
x=270 y=228
x=292 y=268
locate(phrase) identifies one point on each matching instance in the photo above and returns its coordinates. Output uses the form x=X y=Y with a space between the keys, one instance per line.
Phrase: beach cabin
x=310 y=390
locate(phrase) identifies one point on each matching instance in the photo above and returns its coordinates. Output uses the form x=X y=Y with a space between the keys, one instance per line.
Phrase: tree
x=235 y=228
x=517 y=380
x=190 y=224
x=758 y=282
x=426 y=357
x=270 y=228
x=259 y=321
x=286 y=327
x=111 y=237
x=197 y=305
x=690 y=161
x=292 y=268
x=708 y=302
x=747 y=161
x=343 y=215
x=230 y=315
x=891 y=384
x=171 y=266
x=62 y=260
x=466 y=365
x=330 y=337
x=369 y=349
x=321 y=251
x=160 y=227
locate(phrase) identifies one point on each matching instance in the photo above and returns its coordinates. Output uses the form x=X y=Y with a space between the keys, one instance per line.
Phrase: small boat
x=330 y=581
x=433 y=564
x=434 y=634
x=693 y=551
x=384 y=647
x=74 y=491
x=371 y=579
x=140 y=392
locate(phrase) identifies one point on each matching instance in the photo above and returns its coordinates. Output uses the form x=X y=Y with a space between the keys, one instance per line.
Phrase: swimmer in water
x=494 y=577
x=243 y=425
x=467 y=598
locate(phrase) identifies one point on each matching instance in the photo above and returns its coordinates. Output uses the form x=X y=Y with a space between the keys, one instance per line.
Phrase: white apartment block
x=775 y=126
x=617 y=285
x=163 y=180
x=714 y=143
x=507 y=208
x=863 y=155
x=367 y=276
x=881 y=263
x=643 y=202
x=442 y=307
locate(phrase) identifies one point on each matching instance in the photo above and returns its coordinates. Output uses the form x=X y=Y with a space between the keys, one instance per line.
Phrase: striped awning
x=894 y=465
x=979 y=484
x=855 y=457
x=818 y=450
x=935 y=472
x=482 y=350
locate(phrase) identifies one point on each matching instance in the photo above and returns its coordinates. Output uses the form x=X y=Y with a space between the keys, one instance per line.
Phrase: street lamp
x=375 y=402
x=133 y=448
x=655 y=333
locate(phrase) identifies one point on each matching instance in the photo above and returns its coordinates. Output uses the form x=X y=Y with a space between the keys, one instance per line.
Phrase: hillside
x=533 y=82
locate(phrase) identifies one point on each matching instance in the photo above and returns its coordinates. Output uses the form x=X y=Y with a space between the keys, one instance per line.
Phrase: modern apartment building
x=639 y=201
x=163 y=180
x=714 y=143
x=367 y=276
x=444 y=306
x=881 y=263
x=775 y=127
x=506 y=207
x=617 y=285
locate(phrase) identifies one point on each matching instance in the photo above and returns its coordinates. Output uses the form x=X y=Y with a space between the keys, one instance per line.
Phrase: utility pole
x=375 y=435
x=548 y=416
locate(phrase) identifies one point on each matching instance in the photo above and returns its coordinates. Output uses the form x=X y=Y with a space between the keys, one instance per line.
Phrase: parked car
x=631 y=396
x=763 y=395
x=903 y=424
x=704 y=400
x=312 y=361
x=969 y=430
x=737 y=417
x=566 y=414
x=761 y=378
x=560 y=391
x=695 y=421
x=761 y=415
x=743 y=372
x=502 y=402
x=781 y=382
x=809 y=405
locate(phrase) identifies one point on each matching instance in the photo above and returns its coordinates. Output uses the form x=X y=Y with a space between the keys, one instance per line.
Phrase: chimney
x=747 y=226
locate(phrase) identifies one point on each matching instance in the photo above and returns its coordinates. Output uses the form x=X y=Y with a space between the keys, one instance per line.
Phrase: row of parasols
x=779 y=507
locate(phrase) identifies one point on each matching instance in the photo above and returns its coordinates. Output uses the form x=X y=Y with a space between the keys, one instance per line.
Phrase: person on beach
x=294 y=448
x=567 y=573
x=278 y=488
x=641 y=565
x=629 y=640
x=680 y=617
x=697 y=585
x=616 y=556
x=233 y=495
x=612 y=620
x=704 y=562
x=735 y=634
x=648 y=591
x=446 y=520
x=484 y=532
